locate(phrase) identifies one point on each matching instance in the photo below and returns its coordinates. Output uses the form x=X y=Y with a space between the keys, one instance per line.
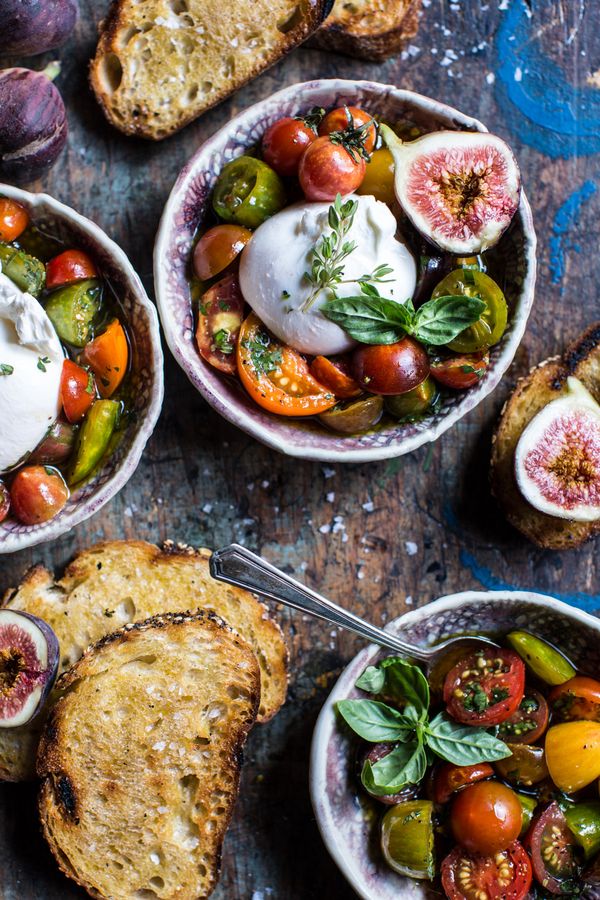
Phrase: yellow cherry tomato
x=573 y=754
x=379 y=177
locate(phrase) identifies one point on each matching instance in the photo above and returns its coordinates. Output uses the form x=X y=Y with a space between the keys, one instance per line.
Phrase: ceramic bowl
x=146 y=374
x=347 y=818
x=186 y=208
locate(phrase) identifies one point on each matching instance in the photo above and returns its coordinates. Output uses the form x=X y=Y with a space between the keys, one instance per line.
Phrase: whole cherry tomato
x=67 y=267
x=578 y=698
x=335 y=374
x=284 y=143
x=217 y=248
x=505 y=876
x=327 y=168
x=573 y=754
x=390 y=368
x=486 y=817
x=351 y=118
x=448 y=778
x=486 y=687
x=379 y=177
x=14 y=219
x=37 y=494
x=77 y=390
x=460 y=372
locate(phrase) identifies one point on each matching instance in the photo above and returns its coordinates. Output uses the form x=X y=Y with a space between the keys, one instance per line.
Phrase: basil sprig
x=373 y=319
x=417 y=738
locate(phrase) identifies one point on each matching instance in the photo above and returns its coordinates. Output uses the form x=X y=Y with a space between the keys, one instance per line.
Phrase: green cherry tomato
x=72 y=310
x=541 y=658
x=247 y=192
x=584 y=821
x=407 y=839
x=414 y=403
x=492 y=324
x=27 y=272
x=93 y=439
x=528 y=807
x=353 y=416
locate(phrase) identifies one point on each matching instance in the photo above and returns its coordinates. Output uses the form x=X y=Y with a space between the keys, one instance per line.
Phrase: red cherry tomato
x=284 y=143
x=327 y=169
x=77 y=390
x=4 y=501
x=217 y=248
x=486 y=817
x=72 y=265
x=37 y=494
x=14 y=219
x=578 y=698
x=350 y=118
x=505 y=876
x=553 y=849
x=529 y=722
x=486 y=687
x=335 y=374
x=390 y=368
x=461 y=372
x=221 y=310
x=448 y=778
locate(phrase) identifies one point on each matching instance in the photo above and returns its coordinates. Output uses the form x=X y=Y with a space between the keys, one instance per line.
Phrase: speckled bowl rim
x=327 y=721
x=242 y=417
x=69 y=518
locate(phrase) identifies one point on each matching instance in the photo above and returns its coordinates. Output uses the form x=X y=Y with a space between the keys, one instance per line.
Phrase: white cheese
x=274 y=261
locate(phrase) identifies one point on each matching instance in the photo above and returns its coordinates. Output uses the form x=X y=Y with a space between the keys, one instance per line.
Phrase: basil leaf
x=369 y=319
x=405 y=764
x=375 y=721
x=463 y=745
x=439 y=321
x=406 y=683
x=371 y=680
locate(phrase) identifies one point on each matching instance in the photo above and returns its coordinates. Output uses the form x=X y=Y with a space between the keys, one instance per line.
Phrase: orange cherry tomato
x=37 y=494
x=346 y=118
x=327 y=169
x=72 y=265
x=108 y=356
x=14 y=219
x=284 y=143
x=220 y=314
x=449 y=778
x=461 y=372
x=578 y=698
x=573 y=754
x=334 y=374
x=217 y=248
x=77 y=390
x=486 y=817
x=276 y=376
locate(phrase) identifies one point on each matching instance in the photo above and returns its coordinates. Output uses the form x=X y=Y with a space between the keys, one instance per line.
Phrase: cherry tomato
x=354 y=416
x=529 y=722
x=526 y=767
x=327 y=169
x=390 y=368
x=460 y=372
x=37 y=494
x=335 y=374
x=573 y=754
x=505 y=876
x=217 y=248
x=57 y=446
x=72 y=265
x=486 y=687
x=351 y=118
x=77 y=390
x=276 y=376
x=373 y=755
x=14 y=219
x=492 y=324
x=4 y=501
x=284 y=143
x=553 y=850
x=221 y=310
x=108 y=356
x=379 y=177
x=449 y=778
x=486 y=817
x=578 y=698
x=413 y=404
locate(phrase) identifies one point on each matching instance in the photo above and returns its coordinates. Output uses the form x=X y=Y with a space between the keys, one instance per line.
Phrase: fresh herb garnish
x=222 y=341
x=475 y=699
x=89 y=388
x=42 y=362
x=5 y=369
x=224 y=306
x=263 y=359
x=285 y=295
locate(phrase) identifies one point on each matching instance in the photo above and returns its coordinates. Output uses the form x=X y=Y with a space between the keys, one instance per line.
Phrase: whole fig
x=35 y=26
x=33 y=123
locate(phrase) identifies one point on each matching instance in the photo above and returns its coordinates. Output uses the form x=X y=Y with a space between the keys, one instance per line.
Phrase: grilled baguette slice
x=114 y=583
x=369 y=29
x=543 y=384
x=140 y=757
x=161 y=63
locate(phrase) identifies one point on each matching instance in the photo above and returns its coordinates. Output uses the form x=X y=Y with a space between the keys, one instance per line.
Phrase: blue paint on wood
x=565 y=220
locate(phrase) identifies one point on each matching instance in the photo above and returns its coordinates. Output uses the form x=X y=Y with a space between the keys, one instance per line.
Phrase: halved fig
x=557 y=459
x=29 y=655
x=460 y=189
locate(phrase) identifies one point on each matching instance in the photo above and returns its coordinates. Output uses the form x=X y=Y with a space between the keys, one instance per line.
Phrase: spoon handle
x=239 y=566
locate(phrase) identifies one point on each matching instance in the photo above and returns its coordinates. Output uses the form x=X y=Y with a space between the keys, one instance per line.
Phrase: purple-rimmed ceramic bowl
x=186 y=208
x=146 y=369
x=347 y=818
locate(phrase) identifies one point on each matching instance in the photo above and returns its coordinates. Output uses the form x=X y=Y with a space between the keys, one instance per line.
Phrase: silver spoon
x=239 y=566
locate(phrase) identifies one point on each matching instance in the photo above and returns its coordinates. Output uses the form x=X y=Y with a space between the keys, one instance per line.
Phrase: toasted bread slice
x=115 y=583
x=140 y=757
x=161 y=63
x=369 y=29
x=543 y=384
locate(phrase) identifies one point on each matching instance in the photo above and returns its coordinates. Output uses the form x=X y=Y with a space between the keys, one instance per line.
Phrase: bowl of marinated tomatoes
x=80 y=368
x=477 y=778
x=346 y=268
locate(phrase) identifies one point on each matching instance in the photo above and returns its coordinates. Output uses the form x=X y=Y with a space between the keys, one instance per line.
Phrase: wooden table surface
x=382 y=537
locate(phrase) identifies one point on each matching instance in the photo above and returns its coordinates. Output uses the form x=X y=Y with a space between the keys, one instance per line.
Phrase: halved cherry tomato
x=14 y=219
x=573 y=754
x=221 y=310
x=390 y=368
x=351 y=118
x=4 y=501
x=37 y=494
x=354 y=416
x=72 y=265
x=379 y=177
x=526 y=767
x=492 y=324
x=505 y=876
x=448 y=778
x=553 y=849
x=284 y=143
x=327 y=169
x=486 y=817
x=276 y=376
x=335 y=374
x=486 y=687
x=578 y=698
x=77 y=390
x=529 y=722
x=460 y=372
x=217 y=248
x=107 y=356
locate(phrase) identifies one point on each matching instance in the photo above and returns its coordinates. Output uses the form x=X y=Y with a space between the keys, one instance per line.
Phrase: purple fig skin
x=30 y=27
x=53 y=650
x=33 y=125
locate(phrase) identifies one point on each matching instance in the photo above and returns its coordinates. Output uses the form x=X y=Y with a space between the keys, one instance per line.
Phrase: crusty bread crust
x=374 y=31
x=543 y=384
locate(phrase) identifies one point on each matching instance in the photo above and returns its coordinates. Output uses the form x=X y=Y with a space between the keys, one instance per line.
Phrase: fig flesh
x=460 y=189
x=35 y=26
x=29 y=655
x=557 y=459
